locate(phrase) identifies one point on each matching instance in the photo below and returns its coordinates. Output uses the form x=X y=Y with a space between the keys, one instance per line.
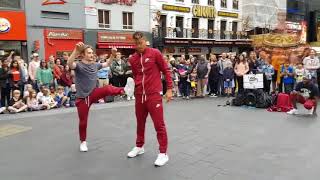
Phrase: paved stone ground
x=206 y=142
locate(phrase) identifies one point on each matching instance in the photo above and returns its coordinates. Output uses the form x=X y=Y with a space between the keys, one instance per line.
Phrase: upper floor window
x=211 y=2
x=224 y=3
x=104 y=19
x=235 y=4
x=195 y=1
x=179 y=0
x=127 y=20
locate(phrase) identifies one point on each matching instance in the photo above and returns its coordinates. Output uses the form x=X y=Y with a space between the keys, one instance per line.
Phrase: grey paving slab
x=206 y=142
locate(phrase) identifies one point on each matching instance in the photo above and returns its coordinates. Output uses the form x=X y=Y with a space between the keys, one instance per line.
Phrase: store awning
x=116 y=45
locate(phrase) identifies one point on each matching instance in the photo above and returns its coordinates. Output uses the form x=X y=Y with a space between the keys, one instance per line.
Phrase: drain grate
x=12 y=129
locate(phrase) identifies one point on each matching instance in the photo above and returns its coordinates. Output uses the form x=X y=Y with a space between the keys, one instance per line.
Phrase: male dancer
x=86 y=82
x=146 y=64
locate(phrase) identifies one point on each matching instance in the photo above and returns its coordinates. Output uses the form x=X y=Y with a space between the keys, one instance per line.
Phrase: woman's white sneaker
x=162 y=159
x=135 y=152
x=83 y=146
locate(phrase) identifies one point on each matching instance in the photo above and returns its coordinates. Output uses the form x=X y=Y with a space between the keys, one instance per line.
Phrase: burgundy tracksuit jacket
x=146 y=69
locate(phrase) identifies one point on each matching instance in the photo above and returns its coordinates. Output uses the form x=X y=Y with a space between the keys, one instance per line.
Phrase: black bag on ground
x=263 y=100
x=250 y=99
x=239 y=100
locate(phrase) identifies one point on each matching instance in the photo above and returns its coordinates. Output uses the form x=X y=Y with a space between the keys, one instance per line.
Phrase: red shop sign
x=63 y=34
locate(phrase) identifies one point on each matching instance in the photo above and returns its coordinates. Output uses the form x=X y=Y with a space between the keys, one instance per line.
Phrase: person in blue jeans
x=287 y=73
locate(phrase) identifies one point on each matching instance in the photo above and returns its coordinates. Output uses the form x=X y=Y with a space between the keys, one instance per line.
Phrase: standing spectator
x=203 y=70
x=228 y=77
x=16 y=76
x=44 y=75
x=184 y=71
x=288 y=77
x=222 y=65
x=213 y=76
x=299 y=73
x=5 y=83
x=66 y=78
x=65 y=58
x=268 y=71
x=57 y=72
x=312 y=64
x=118 y=69
x=241 y=68
x=32 y=71
x=103 y=75
x=16 y=104
x=52 y=62
x=253 y=64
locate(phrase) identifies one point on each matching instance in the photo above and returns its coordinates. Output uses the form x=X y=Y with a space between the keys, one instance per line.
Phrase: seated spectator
x=2 y=109
x=47 y=101
x=40 y=93
x=60 y=97
x=16 y=104
x=32 y=101
x=72 y=96
x=52 y=92
x=26 y=92
x=306 y=93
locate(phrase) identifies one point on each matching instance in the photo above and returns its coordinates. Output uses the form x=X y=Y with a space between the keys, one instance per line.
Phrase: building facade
x=111 y=23
x=54 y=27
x=13 y=36
x=197 y=27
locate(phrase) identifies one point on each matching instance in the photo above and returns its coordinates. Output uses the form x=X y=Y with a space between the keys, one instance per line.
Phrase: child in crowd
x=72 y=96
x=288 y=77
x=40 y=93
x=16 y=104
x=32 y=102
x=228 y=77
x=27 y=91
x=129 y=89
x=299 y=73
x=193 y=82
x=268 y=70
x=47 y=101
x=60 y=97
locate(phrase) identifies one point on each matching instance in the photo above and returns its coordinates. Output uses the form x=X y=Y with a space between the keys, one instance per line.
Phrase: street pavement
x=206 y=142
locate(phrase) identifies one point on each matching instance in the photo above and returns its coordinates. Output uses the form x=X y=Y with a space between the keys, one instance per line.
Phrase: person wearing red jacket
x=86 y=84
x=147 y=65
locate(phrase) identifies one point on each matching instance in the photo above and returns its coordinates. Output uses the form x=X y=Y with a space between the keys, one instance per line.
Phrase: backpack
x=263 y=100
x=239 y=100
x=250 y=99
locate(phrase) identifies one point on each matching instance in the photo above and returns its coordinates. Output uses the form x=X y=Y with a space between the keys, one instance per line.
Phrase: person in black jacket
x=5 y=83
x=228 y=76
x=214 y=76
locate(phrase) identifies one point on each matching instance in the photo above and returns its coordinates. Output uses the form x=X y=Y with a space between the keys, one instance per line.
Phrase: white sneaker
x=133 y=98
x=135 y=152
x=83 y=146
x=128 y=98
x=162 y=159
x=293 y=111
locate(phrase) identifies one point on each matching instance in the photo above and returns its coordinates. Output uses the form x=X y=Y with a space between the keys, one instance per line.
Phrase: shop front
x=13 y=35
x=59 y=41
x=121 y=40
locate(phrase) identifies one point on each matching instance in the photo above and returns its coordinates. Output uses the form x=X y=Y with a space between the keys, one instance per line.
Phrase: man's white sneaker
x=310 y=112
x=162 y=159
x=83 y=146
x=128 y=98
x=135 y=152
x=293 y=111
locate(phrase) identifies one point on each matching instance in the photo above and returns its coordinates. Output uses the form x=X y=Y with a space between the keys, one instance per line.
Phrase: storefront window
x=7 y=46
x=235 y=4
x=211 y=2
x=195 y=1
x=14 y=4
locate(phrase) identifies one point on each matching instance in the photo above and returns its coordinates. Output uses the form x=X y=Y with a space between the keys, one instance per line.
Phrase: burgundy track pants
x=83 y=106
x=151 y=104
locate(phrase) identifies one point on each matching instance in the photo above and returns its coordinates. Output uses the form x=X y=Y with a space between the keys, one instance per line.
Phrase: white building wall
x=140 y=9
